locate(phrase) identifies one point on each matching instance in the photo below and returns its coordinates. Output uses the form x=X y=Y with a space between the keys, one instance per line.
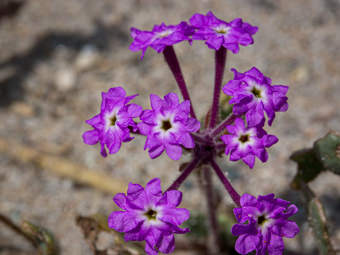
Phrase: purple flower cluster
x=246 y=143
x=168 y=126
x=218 y=33
x=112 y=125
x=147 y=214
x=253 y=95
x=215 y=32
x=160 y=37
x=150 y=215
x=262 y=223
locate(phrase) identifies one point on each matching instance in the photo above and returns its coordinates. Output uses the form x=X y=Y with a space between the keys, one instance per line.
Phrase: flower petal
x=175 y=216
x=167 y=244
x=123 y=221
x=286 y=228
x=173 y=151
x=246 y=243
x=91 y=137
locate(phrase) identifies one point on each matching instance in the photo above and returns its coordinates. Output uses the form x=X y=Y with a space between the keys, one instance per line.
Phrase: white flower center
x=263 y=222
x=151 y=215
x=111 y=119
x=164 y=33
x=258 y=92
x=165 y=124
x=245 y=139
x=222 y=29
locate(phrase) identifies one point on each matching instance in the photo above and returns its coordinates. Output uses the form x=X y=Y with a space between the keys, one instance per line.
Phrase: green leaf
x=318 y=222
x=327 y=149
x=309 y=166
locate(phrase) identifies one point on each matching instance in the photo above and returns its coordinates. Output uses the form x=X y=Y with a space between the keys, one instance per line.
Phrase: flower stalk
x=185 y=173
x=213 y=240
x=220 y=60
x=226 y=183
x=222 y=125
x=172 y=61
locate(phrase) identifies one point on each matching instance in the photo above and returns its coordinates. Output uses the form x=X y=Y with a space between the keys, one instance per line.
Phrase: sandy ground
x=57 y=57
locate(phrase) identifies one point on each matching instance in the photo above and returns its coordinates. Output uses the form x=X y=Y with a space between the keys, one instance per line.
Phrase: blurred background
x=56 y=57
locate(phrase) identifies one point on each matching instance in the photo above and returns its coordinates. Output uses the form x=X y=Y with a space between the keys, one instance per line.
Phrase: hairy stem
x=213 y=243
x=226 y=183
x=185 y=173
x=172 y=61
x=220 y=60
x=198 y=138
x=217 y=130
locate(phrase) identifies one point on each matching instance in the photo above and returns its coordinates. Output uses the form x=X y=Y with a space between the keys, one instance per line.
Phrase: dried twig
x=62 y=167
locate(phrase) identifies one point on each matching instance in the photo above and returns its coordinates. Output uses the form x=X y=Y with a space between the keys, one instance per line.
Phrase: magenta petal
x=143 y=128
x=276 y=245
x=175 y=216
x=240 y=229
x=134 y=191
x=249 y=160
x=173 y=151
x=167 y=244
x=235 y=155
x=156 y=151
x=120 y=200
x=214 y=43
x=193 y=125
x=123 y=221
x=114 y=143
x=117 y=92
x=172 y=99
x=153 y=237
x=255 y=115
x=197 y=20
x=149 y=250
x=91 y=137
x=187 y=141
x=292 y=209
x=262 y=154
x=248 y=200
x=137 y=234
x=153 y=190
x=246 y=243
x=270 y=140
x=171 y=198
x=94 y=120
x=156 y=102
x=134 y=110
x=286 y=228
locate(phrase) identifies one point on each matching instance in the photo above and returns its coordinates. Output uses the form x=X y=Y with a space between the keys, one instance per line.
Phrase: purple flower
x=217 y=33
x=168 y=126
x=112 y=125
x=252 y=94
x=150 y=215
x=246 y=143
x=262 y=224
x=160 y=37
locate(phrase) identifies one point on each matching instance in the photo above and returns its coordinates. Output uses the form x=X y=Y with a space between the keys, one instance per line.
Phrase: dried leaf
x=42 y=237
